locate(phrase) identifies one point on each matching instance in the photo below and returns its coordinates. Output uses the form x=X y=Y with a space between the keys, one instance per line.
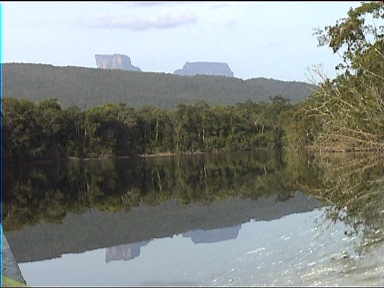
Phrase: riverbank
x=327 y=149
x=154 y=155
x=161 y=154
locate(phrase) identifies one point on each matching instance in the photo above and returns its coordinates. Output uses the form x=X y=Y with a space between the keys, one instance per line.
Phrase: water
x=225 y=219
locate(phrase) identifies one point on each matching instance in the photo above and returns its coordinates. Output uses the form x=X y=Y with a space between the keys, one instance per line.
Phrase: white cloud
x=135 y=23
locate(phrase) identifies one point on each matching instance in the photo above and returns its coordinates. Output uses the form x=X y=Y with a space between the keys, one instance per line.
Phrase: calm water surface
x=225 y=219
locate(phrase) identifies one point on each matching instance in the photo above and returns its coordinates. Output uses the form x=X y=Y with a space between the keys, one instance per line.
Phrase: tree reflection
x=48 y=192
x=349 y=185
x=352 y=186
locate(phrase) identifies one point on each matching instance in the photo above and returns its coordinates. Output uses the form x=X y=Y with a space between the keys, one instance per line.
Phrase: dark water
x=226 y=219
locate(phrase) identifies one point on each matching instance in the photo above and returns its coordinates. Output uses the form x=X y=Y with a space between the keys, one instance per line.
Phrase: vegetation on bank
x=45 y=130
x=347 y=113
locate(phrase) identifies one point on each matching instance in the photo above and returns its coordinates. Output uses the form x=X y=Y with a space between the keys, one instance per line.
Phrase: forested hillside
x=88 y=87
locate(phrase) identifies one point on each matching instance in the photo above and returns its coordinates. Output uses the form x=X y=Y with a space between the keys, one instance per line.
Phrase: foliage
x=44 y=130
x=348 y=111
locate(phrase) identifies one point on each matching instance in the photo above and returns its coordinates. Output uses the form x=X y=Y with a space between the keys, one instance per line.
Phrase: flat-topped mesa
x=115 y=61
x=205 y=68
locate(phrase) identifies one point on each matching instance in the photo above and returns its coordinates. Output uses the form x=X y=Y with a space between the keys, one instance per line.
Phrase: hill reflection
x=123 y=204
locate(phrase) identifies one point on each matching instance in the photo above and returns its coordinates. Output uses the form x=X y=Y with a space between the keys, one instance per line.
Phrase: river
x=250 y=218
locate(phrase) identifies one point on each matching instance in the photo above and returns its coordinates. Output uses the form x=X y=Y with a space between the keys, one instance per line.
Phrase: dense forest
x=89 y=87
x=45 y=130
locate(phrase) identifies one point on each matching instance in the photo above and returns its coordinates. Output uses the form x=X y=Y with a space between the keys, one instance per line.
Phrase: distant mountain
x=88 y=87
x=115 y=61
x=205 y=68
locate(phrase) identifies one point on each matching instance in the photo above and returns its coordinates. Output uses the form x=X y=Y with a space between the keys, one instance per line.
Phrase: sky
x=256 y=39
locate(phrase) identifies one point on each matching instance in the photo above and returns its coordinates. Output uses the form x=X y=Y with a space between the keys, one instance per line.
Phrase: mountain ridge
x=88 y=87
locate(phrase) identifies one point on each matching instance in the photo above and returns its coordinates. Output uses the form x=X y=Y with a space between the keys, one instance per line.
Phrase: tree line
x=45 y=130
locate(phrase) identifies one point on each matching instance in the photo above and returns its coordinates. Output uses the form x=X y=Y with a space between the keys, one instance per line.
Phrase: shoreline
x=172 y=154
x=136 y=156
x=162 y=154
x=145 y=156
x=326 y=149
x=308 y=148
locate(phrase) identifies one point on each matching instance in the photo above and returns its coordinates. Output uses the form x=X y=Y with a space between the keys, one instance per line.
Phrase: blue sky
x=257 y=39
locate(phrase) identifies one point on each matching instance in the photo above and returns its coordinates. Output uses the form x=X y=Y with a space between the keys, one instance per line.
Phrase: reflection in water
x=95 y=229
x=53 y=191
x=213 y=235
x=124 y=252
x=130 y=251
x=77 y=213
x=352 y=186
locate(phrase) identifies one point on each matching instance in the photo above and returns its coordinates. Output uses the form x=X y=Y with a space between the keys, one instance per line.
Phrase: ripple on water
x=256 y=251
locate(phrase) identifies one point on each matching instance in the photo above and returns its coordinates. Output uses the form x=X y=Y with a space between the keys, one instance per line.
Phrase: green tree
x=348 y=110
